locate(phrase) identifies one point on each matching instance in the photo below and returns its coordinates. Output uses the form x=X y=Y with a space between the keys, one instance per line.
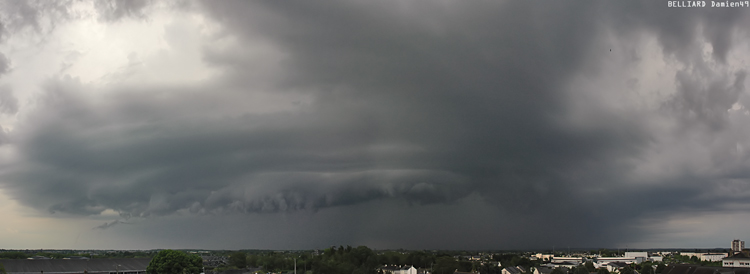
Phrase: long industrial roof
x=51 y=266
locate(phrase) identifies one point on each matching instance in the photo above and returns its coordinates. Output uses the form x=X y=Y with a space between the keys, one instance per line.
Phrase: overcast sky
x=420 y=124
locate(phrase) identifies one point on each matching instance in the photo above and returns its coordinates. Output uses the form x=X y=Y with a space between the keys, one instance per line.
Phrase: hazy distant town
x=735 y=259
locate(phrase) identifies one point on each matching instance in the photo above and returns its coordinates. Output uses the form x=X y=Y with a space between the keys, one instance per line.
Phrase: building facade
x=399 y=269
x=741 y=259
x=713 y=257
x=737 y=246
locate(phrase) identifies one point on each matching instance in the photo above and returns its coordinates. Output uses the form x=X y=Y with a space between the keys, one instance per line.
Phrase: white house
x=574 y=260
x=636 y=254
x=616 y=266
x=713 y=257
x=741 y=259
x=544 y=256
x=563 y=264
x=399 y=269
x=606 y=260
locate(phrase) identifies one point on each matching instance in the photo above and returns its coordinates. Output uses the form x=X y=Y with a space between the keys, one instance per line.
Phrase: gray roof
x=741 y=255
x=75 y=266
x=697 y=269
x=544 y=270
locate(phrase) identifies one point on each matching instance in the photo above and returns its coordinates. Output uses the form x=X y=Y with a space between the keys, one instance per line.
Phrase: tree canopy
x=345 y=260
x=238 y=259
x=557 y=270
x=627 y=270
x=175 y=262
x=590 y=266
x=446 y=265
x=660 y=268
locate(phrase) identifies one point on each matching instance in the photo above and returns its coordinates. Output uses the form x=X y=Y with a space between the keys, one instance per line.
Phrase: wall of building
x=736 y=263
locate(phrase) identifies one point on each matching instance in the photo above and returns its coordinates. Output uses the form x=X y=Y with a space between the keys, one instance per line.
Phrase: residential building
x=713 y=257
x=544 y=256
x=399 y=269
x=616 y=266
x=636 y=254
x=630 y=257
x=574 y=260
x=737 y=246
x=563 y=265
x=741 y=259
x=603 y=261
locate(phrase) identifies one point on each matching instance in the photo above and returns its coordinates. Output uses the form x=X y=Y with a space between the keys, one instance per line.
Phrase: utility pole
x=295 y=265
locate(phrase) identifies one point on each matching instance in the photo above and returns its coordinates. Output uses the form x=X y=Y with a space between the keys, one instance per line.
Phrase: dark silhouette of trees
x=238 y=260
x=175 y=262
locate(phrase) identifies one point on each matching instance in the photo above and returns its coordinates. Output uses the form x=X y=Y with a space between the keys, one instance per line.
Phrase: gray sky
x=393 y=124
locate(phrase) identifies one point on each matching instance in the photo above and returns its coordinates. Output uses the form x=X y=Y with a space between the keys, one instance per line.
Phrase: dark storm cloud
x=479 y=88
x=249 y=163
x=476 y=88
x=110 y=224
x=701 y=101
x=424 y=102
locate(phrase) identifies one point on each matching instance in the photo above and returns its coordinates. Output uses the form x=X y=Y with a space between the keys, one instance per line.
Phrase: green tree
x=557 y=270
x=602 y=270
x=238 y=260
x=660 y=268
x=252 y=260
x=14 y=255
x=647 y=269
x=579 y=270
x=464 y=266
x=2 y=269
x=445 y=265
x=590 y=266
x=175 y=262
x=627 y=270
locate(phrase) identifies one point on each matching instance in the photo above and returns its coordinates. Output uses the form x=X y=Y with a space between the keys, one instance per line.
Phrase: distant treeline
x=367 y=261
